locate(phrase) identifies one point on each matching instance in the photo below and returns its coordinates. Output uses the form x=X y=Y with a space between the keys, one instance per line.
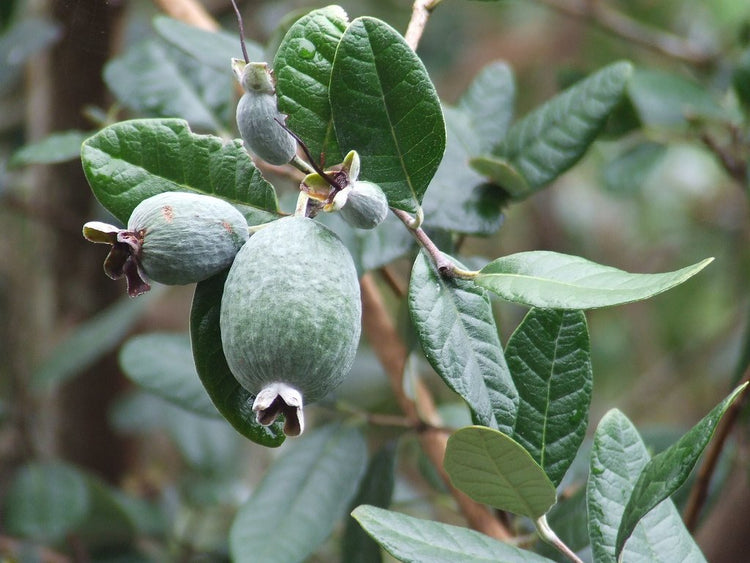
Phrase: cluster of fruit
x=290 y=311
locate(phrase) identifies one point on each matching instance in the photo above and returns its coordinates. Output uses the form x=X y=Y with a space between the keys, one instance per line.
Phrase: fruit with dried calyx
x=258 y=118
x=173 y=238
x=290 y=317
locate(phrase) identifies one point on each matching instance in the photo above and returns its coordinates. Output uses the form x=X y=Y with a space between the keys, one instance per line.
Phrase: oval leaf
x=458 y=199
x=58 y=147
x=302 y=67
x=489 y=102
x=552 y=138
x=494 y=469
x=46 y=501
x=301 y=498
x=414 y=540
x=455 y=325
x=156 y=80
x=129 y=161
x=550 y=362
x=559 y=281
x=668 y=470
x=163 y=365
x=212 y=48
x=618 y=457
x=385 y=107
x=232 y=400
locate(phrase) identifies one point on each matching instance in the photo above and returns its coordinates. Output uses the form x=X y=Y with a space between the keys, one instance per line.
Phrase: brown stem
x=628 y=28
x=395 y=283
x=699 y=492
x=420 y=13
x=392 y=353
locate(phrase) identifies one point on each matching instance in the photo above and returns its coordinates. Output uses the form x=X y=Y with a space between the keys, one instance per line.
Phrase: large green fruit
x=186 y=238
x=290 y=317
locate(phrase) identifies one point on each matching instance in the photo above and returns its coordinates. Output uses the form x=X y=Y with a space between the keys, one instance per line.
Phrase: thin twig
x=733 y=165
x=699 y=491
x=396 y=284
x=634 y=31
x=241 y=26
x=420 y=13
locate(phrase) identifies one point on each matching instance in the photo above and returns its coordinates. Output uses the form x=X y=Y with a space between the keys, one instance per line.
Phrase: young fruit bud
x=258 y=118
x=172 y=238
x=290 y=317
x=363 y=205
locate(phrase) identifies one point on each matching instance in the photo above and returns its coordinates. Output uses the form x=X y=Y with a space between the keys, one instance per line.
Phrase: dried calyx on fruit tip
x=173 y=238
x=258 y=117
x=280 y=398
x=362 y=204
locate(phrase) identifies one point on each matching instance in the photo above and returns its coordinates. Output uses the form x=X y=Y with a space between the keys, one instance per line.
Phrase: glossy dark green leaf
x=230 y=398
x=163 y=364
x=302 y=67
x=375 y=489
x=129 y=161
x=501 y=173
x=458 y=198
x=414 y=540
x=663 y=99
x=559 y=281
x=489 y=102
x=91 y=340
x=552 y=138
x=385 y=107
x=46 y=501
x=58 y=147
x=157 y=80
x=456 y=328
x=550 y=361
x=494 y=469
x=668 y=470
x=618 y=457
x=301 y=498
x=211 y=48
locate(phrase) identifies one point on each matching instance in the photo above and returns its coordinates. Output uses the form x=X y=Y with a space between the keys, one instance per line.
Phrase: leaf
x=129 y=161
x=301 y=498
x=232 y=400
x=559 y=281
x=108 y=524
x=458 y=199
x=57 y=147
x=668 y=470
x=552 y=138
x=163 y=365
x=494 y=469
x=375 y=489
x=455 y=325
x=501 y=173
x=210 y=48
x=617 y=458
x=385 y=107
x=663 y=99
x=550 y=361
x=91 y=340
x=414 y=540
x=46 y=501
x=489 y=102
x=302 y=67
x=160 y=81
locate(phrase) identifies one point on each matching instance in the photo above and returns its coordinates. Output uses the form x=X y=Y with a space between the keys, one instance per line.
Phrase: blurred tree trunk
x=56 y=274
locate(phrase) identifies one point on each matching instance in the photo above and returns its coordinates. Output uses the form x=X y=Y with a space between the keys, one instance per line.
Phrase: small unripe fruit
x=173 y=238
x=290 y=317
x=186 y=238
x=258 y=118
x=363 y=205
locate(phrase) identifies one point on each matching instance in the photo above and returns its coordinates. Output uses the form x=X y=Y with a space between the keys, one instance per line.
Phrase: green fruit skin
x=187 y=237
x=291 y=309
x=366 y=206
x=256 y=121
